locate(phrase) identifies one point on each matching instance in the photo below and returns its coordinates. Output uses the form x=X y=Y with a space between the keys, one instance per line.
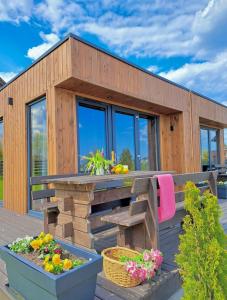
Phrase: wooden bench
x=50 y=209
x=138 y=226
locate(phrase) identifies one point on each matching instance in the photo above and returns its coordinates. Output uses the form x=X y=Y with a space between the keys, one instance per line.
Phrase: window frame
x=29 y=153
x=110 y=110
x=1 y=200
x=208 y=129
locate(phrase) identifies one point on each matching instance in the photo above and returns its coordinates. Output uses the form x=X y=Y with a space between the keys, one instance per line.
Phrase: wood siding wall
x=36 y=82
x=76 y=68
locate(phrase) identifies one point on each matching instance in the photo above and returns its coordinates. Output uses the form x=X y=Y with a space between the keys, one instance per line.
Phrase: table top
x=89 y=179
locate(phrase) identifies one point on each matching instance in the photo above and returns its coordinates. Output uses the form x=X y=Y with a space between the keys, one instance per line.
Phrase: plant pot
x=99 y=171
x=115 y=270
x=33 y=283
x=222 y=191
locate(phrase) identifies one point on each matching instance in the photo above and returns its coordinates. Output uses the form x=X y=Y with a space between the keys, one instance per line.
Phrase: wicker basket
x=115 y=270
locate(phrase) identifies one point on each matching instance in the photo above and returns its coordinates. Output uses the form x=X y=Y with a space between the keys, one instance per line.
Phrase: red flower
x=58 y=251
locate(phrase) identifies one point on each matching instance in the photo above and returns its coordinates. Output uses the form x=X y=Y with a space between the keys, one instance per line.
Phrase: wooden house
x=77 y=98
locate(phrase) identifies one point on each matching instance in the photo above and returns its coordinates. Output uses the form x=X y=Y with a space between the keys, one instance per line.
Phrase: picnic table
x=82 y=199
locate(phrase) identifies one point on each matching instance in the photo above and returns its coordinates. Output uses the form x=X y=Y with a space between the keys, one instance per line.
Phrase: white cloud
x=15 y=10
x=48 y=41
x=60 y=14
x=153 y=69
x=209 y=29
x=208 y=78
x=6 y=76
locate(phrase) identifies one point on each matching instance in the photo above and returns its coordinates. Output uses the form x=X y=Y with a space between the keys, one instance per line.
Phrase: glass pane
x=204 y=149
x=125 y=140
x=225 y=144
x=92 y=131
x=213 y=147
x=144 y=144
x=1 y=160
x=38 y=140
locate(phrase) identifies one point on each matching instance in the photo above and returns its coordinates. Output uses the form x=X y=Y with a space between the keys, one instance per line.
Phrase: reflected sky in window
x=92 y=130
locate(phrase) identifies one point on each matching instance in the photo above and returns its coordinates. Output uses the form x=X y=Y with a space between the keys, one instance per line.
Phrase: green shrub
x=202 y=257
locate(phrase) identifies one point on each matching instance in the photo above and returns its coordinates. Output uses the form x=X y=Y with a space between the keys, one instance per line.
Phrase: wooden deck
x=13 y=225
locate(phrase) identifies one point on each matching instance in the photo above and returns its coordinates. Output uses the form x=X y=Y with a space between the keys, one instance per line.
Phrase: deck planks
x=13 y=225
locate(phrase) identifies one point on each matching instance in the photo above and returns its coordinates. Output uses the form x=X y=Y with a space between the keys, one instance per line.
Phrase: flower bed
x=46 y=252
x=44 y=268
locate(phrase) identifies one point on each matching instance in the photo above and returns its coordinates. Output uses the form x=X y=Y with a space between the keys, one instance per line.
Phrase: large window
x=209 y=148
x=1 y=159
x=92 y=131
x=37 y=144
x=125 y=139
x=130 y=135
x=225 y=144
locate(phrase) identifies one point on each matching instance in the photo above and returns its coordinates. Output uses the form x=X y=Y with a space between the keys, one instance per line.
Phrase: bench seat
x=125 y=219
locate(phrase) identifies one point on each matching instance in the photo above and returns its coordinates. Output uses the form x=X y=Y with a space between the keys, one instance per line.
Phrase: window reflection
x=1 y=160
x=92 y=131
x=225 y=144
x=213 y=147
x=204 y=149
x=144 y=143
x=209 y=148
x=38 y=146
x=125 y=139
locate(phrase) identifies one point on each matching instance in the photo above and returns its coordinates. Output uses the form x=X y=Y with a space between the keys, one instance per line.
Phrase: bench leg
x=133 y=237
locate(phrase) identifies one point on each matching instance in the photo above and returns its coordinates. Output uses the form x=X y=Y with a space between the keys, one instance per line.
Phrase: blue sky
x=184 y=41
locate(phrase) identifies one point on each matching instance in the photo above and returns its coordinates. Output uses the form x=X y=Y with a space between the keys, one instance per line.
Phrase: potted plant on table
x=44 y=268
x=97 y=164
x=129 y=268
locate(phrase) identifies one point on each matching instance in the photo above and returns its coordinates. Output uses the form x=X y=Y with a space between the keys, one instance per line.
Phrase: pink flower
x=146 y=256
x=157 y=258
x=151 y=273
x=142 y=274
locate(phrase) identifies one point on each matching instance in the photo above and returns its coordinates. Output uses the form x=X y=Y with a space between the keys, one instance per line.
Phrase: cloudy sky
x=184 y=41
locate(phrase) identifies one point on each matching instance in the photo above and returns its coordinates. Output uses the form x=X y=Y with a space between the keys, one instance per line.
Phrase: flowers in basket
x=145 y=265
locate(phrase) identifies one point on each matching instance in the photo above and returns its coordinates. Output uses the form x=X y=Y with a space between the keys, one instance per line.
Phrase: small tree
x=202 y=254
x=126 y=159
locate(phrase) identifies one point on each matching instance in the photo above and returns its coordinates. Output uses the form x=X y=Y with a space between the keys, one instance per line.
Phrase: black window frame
x=209 y=129
x=29 y=154
x=1 y=200
x=110 y=109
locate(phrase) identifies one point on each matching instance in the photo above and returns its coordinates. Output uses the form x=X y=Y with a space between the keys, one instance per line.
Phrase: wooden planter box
x=33 y=283
x=222 y=191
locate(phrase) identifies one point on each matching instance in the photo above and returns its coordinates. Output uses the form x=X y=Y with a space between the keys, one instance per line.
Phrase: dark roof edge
x=114 y=56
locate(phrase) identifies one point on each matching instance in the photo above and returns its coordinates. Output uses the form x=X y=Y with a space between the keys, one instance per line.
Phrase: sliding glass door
x=125 y=146
x=37 y=139
x=1 y=161
x=209 y=150
x=92 y=134
x=131 y=136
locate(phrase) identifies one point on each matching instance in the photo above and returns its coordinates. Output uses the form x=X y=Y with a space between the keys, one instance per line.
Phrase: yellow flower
x=41 y=235
x=49 y=267
x=56 y=259
x=48 y=238
x=35 y=244
x=40 y=241
x=46 y=259
x=67 y=264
